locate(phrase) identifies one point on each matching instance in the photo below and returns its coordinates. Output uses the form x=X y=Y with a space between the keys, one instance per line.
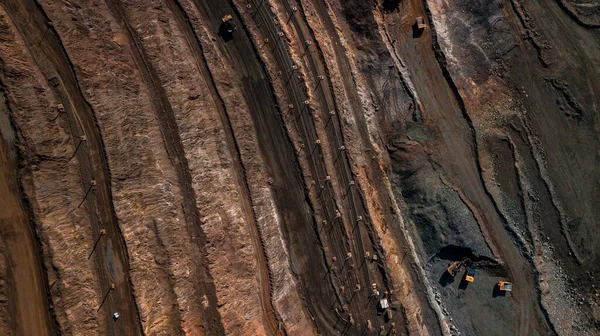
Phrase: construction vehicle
x=456 y=266
x=505 y=286
x=470 y=275
x=228 y=23
x=383 y=304
x=61 y=108
x=388 y=314
x=420 y=24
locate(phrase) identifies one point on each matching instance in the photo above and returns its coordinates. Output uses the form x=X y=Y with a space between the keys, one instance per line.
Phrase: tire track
x=174 y=147
x=375 y=175
x=265 y=273
x=278 y=153
x=338 y=238
x=23 y=246
x=510 y=249
x=51 y=58
x=304 y=123
x=353 y=202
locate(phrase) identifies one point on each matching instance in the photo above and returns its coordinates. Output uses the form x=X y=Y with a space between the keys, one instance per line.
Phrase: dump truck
x=505 y=286
x=470 y=276
x=228 y=23
x=420 y=24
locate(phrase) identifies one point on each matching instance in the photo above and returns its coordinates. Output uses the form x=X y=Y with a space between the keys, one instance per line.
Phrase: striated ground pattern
x=299 y=167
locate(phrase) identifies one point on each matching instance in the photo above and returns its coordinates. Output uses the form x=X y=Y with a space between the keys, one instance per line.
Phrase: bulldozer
x=505 y=286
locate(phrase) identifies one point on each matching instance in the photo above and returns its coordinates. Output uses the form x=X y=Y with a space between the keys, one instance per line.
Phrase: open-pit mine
x=299 y=167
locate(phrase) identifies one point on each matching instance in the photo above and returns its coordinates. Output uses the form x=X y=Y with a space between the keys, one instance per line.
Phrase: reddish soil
x=312 y=171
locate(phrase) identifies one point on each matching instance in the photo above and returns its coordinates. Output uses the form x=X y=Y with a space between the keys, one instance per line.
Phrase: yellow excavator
x=456 y=266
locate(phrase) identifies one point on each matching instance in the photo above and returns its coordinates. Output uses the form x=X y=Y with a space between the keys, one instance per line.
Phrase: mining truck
x=420 y=24
x=505 y=286
x=228 y=23
x=470 y=276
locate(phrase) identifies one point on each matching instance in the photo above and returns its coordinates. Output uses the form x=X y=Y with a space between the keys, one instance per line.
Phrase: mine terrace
x=299 y=167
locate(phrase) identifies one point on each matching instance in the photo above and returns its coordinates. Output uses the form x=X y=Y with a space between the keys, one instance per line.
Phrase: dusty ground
x=285 y=177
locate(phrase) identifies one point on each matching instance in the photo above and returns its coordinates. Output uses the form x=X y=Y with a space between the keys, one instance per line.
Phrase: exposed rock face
x=313 y=171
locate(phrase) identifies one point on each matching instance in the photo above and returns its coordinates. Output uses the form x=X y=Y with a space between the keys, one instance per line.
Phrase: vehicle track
x=50 y=56
x=327 y=100
x=375 y=175
x=525 y=292
x=303 y=123
x=174 y=146
x=351 y=197
x=27 y=284
x=572 y=39
x=274 y=322
x=276 y=149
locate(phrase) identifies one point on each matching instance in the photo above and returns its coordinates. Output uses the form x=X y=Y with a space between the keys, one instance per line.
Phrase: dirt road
x=286 y=176
x=270 y=315
x=434 y=85
x=47 y=51
x=276 y=148
x=28 y=300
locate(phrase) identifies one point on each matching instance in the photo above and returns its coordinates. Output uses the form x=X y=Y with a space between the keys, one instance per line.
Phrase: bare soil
x=297 y=174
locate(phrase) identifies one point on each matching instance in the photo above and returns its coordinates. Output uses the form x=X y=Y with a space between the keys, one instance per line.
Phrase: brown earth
x=161 y=175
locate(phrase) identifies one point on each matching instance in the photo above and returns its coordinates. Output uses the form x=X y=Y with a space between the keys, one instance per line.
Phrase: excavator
x=456 y=266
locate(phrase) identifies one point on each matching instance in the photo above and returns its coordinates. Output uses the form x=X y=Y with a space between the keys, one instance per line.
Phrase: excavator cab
x=470 y=276
x=505 y=286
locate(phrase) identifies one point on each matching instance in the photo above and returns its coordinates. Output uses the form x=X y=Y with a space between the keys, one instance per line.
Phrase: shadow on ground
x=497 y=292
x=224 y=33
